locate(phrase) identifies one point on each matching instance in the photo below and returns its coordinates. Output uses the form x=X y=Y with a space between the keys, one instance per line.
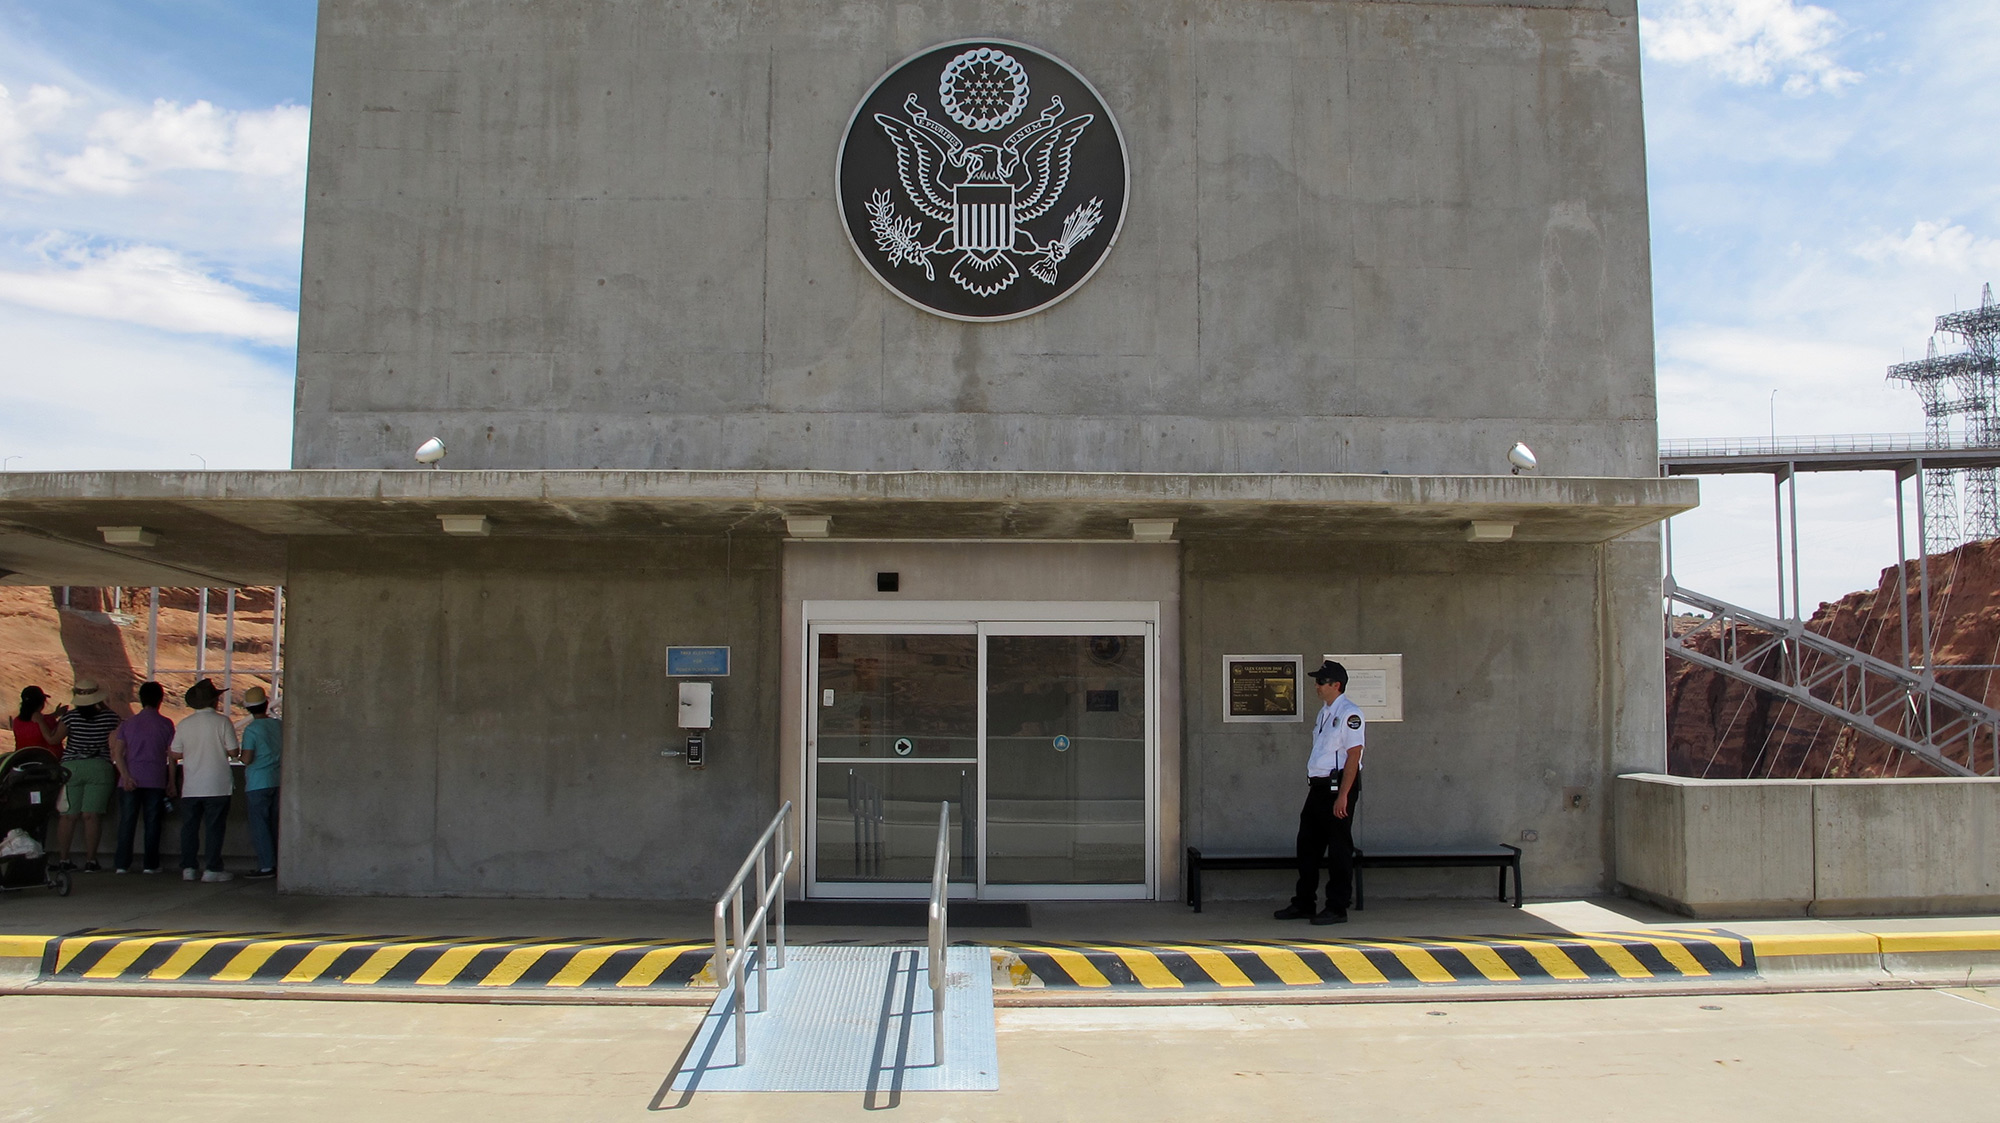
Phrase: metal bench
x=1505 y=858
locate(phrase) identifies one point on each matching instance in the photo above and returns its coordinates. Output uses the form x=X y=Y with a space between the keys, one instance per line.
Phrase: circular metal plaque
x=982 y=180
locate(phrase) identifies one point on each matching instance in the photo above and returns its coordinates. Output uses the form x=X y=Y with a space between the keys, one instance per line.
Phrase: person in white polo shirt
x=1333 y=794
x=204 y=744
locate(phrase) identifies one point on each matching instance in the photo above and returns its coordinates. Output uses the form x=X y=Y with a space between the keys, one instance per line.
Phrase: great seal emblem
x=999 y=217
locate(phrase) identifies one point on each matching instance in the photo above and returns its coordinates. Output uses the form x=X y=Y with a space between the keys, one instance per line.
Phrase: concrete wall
x=598 y=233
x=1715 y=848
x=1518 y=692
x=486 y=717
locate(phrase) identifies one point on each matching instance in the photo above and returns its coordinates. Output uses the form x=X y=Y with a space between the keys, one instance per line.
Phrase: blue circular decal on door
x=1062 y=743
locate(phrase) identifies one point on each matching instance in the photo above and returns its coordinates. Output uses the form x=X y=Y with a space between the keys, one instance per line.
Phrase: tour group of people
x=152 y=765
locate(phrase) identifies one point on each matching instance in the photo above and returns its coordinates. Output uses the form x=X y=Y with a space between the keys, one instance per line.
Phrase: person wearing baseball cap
x=1333 y=794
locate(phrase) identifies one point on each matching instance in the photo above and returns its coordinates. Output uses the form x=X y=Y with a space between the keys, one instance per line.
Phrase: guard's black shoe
x=1291 y=912
x=1330 y=916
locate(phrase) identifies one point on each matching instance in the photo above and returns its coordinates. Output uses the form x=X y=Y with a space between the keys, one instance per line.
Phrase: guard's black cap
x=1330 y=671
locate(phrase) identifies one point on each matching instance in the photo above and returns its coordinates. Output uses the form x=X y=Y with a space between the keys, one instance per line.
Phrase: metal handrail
x=940 y=884
x=727 y=966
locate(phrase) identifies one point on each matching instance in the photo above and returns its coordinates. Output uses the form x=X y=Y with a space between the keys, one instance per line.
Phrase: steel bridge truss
x=1903 y=707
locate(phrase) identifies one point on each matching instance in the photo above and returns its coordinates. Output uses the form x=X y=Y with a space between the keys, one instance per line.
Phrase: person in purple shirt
x=139 y=752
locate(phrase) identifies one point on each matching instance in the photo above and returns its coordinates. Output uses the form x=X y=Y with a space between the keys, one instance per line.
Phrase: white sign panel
x=1375 y=682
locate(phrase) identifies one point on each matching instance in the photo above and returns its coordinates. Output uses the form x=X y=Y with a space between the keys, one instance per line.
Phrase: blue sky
x=1823 y=184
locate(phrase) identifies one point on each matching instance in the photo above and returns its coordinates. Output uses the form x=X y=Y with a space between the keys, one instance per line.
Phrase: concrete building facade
x=593 y=246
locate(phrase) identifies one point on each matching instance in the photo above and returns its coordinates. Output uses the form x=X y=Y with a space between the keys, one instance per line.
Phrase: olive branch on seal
x=896 y=235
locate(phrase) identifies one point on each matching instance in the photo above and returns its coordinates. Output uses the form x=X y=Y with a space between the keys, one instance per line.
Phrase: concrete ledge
x=1722 y=848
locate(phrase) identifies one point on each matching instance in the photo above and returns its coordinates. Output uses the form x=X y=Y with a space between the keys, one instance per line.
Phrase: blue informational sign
x=698 y=662
x=1062 y=743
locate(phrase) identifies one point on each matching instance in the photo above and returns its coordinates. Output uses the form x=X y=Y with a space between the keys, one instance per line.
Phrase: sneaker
x=1291 y=912
x=190 y=874
x=92 y=867
x=121 y=869
x=225 y=875
x=261 y=874
x=61 y=864
x=1330 y=916
x=154 y=869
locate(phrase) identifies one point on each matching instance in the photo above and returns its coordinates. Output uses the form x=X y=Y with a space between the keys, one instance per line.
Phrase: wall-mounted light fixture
x=129 y=536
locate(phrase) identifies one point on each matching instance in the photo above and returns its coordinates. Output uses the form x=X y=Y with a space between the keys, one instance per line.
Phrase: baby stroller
x=30 y=783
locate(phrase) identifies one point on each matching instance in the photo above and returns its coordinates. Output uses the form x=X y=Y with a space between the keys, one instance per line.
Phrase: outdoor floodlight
x=1520 y=456
x=432 y=451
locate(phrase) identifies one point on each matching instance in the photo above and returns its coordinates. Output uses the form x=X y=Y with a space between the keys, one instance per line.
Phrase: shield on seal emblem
x=982 y=180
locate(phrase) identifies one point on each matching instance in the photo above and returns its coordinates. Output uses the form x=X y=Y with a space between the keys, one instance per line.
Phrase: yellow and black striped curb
x=180 y=957
x=1566 y=958
x=608 y=967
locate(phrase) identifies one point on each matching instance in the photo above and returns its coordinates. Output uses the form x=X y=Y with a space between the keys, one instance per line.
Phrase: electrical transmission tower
x=1965 y=383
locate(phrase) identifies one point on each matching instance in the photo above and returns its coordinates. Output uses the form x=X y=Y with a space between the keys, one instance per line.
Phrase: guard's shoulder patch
x=1353 y=721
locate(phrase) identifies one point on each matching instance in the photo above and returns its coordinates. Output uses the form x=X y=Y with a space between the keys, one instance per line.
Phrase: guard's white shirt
x=1340 y=727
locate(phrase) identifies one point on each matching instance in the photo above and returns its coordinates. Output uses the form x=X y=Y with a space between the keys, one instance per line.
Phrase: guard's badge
x=982 y=180
x=1353 y=721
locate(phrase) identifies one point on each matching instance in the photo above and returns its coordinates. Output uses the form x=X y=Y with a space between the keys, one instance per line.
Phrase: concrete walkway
x=1922 y=1054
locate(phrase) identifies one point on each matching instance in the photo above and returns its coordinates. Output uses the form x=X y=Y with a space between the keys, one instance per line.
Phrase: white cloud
x=149 y=286
x=1751 y=42
x=78 y=395
x=1936 y=245
x=49 y=141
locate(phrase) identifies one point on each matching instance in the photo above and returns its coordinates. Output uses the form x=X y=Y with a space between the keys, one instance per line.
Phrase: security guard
x=1333 y=794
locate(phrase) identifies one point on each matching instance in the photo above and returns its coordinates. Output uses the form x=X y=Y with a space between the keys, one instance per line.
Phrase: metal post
x=1778 y=518
x=1903 y=566
x=1924 y=596
x=153 y=637
x=201 y=635
x=763 y=930
x=278 y=648
x=229 y=644
x=736 y=973
x=1792 y=484
x=784 y=847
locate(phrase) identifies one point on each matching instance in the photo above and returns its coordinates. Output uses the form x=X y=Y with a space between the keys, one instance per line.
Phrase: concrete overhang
x=231 y=528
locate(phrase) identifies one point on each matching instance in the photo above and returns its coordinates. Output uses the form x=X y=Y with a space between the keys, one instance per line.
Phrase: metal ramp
x=881 y=1020
x=1905 y=707
x=853 y=1019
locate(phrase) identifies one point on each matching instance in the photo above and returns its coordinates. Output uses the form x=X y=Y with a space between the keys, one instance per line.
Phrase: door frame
x=980 y=618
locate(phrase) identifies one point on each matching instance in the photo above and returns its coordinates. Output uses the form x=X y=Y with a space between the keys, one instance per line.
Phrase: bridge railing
x=1907 y=708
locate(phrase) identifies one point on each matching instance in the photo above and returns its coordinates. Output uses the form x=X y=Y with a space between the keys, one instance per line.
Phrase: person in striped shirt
x=87 y=728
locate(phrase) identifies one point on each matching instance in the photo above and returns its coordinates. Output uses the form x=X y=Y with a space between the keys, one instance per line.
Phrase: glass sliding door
x=1039 y=735
x=896 y=732
x=1068 y=728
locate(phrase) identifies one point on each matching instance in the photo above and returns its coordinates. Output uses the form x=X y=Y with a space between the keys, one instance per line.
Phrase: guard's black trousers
x=1319 y=831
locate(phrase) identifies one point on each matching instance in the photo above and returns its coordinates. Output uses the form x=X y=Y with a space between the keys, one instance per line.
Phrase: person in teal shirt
x=263 y=746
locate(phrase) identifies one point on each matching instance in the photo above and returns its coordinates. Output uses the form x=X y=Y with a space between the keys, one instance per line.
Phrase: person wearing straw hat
x=263 y=741
x=87 y=730
x=204 y=743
